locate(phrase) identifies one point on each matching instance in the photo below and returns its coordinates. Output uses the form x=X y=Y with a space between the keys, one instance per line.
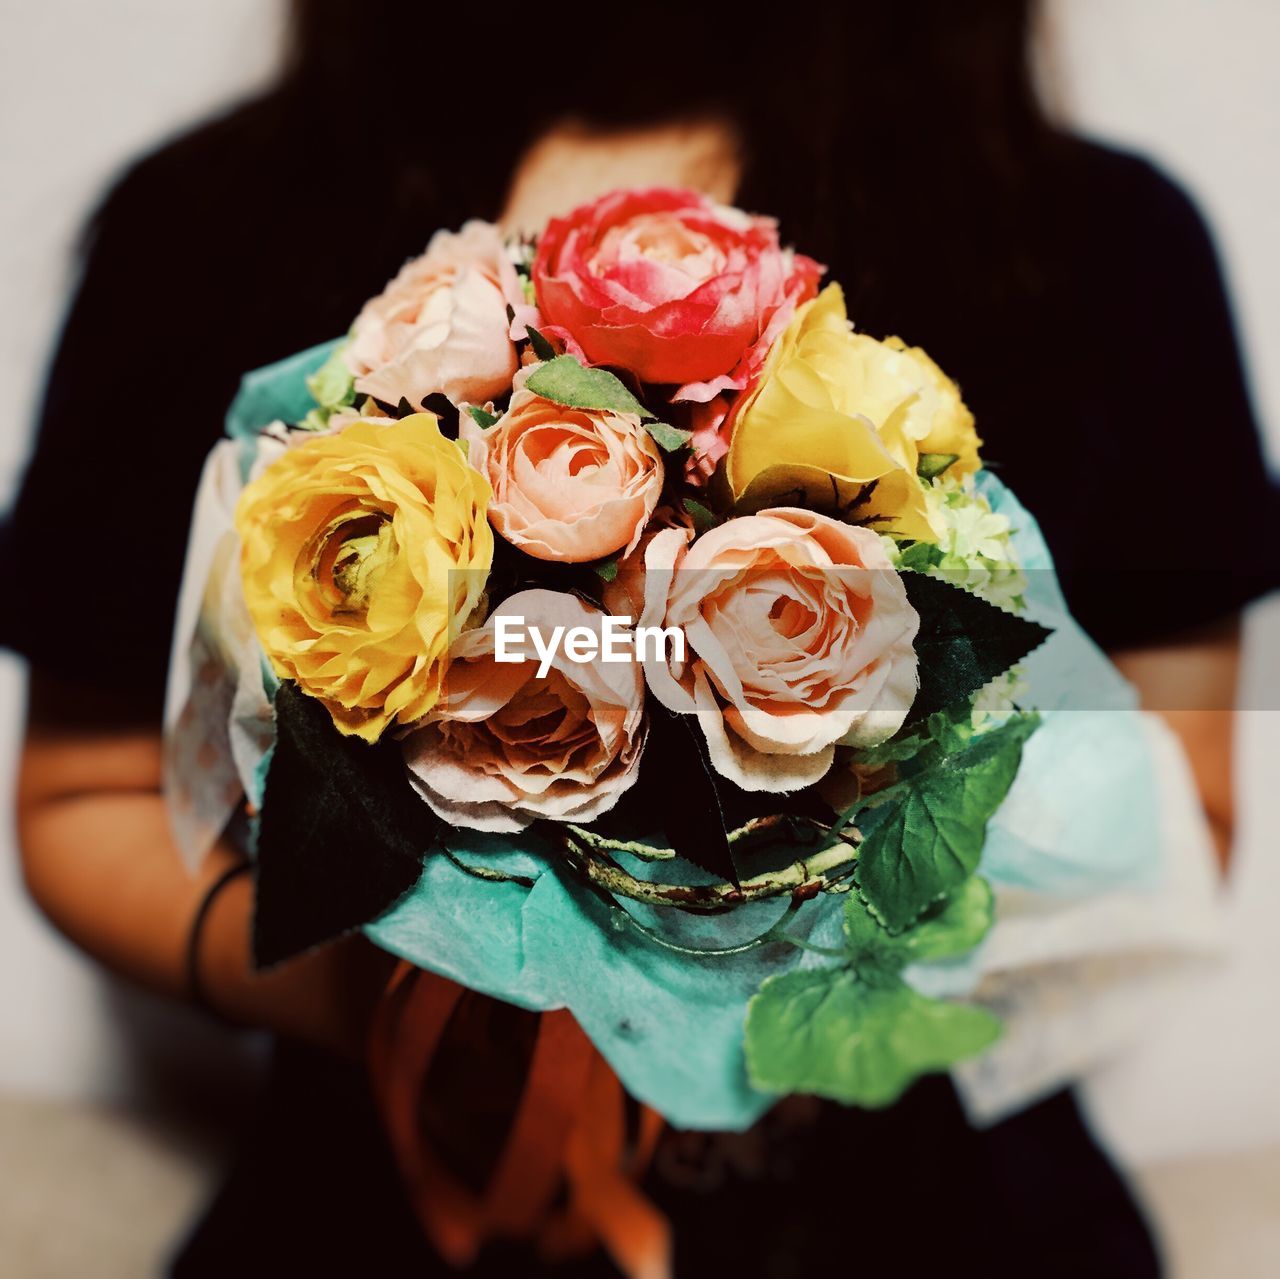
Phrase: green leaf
x=918 y=556
x=931 y=465
x=541 y=347
x=332 y=385
x=942 y=732
x=925 y=838
x=964 y=642
x=607 y=570
x=832 y=1032
x=564 y=381
x=342 y=834
x=703 y=516
x=952 y=927
x=670 y=438
x=482 y=417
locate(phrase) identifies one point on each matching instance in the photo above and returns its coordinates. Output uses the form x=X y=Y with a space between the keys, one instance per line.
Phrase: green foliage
x=341 y=837
x=857 y=1033
x=703 y=516
x=541 y=347
x=923 y=836
x=670 y=439
x=332 y=385
x=482 y=417
x=963 y=643
x=564 y=381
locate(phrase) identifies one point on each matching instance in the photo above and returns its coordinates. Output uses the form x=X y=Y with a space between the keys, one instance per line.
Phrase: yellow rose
x=363 y=552
x=842 y=420
x=935 y=419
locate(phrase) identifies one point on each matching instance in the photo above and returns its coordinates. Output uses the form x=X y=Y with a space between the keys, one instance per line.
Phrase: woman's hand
x=100 y=861
x=1191 y=683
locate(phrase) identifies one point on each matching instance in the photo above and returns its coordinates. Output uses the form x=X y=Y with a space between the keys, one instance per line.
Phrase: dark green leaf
x=541 y=347
x=832 y=1032
x=482 y=417
x=925 y=837
x=341 y=837
x=564 y=381
x=692 y=813
x=964 y=642
x=607 y=570
x=703 y=516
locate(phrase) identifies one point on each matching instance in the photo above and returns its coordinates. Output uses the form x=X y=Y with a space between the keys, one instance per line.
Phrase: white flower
x=975 y=544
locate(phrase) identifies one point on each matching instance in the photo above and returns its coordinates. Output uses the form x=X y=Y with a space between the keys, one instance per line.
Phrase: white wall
x=86 y=83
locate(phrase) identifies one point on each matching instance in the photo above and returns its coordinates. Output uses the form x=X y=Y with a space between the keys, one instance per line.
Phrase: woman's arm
x=1191 y=682
x=99 y=860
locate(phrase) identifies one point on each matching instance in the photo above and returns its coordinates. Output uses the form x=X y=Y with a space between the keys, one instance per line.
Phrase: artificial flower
x=568 y=484
x=363 y=552
x=441 y=326
x=843 y=419
x=671 y=286
x=505 y=746
x=975 y=547
x=799 y=635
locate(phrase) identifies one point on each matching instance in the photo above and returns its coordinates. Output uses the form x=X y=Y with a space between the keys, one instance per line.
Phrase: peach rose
x=568 y=484
x=799 y=636
x=441 y=325
x=505 y=747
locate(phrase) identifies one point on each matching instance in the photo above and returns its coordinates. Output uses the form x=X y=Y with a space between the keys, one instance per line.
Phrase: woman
x=900 y=144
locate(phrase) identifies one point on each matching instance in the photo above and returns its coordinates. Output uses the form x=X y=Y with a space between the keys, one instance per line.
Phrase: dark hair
x=868 y=131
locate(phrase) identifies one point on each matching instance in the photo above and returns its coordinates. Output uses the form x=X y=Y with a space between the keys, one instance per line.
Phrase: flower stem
x=802 y=879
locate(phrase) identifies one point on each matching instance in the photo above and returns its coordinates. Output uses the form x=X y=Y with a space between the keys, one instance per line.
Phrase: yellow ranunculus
x=835 y=412
x=363 y=553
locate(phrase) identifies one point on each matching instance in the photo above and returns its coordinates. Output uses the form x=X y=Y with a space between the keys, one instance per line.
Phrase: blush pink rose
x=568 y=484
x=504 y=747
x=441 y=326
x=799 y=636
x=671 y=286
x=710 y=441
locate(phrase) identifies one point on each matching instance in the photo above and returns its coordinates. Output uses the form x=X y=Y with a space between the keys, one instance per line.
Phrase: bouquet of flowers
x=606 y=624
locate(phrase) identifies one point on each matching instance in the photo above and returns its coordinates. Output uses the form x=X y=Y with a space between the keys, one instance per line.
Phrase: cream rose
x=799 y=636
x=441 y=325
x=568 y=484
x=505 y=747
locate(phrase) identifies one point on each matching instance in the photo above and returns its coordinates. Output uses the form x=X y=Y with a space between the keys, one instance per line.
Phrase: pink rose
x=441 y=325
x=710 y=442
x=568 y=484
x=505 y=747
x=671 y=286
x=799 y=636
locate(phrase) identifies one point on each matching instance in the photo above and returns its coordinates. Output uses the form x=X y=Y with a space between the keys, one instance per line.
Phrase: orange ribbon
x=565 y=1179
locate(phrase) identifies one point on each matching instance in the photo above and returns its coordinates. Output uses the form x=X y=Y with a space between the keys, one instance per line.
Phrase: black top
x=1114 y=406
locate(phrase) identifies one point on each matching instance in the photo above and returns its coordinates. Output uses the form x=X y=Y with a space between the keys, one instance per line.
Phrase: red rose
x=671 y=286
